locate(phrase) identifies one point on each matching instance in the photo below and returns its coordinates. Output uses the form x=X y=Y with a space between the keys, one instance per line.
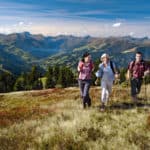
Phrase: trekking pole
x=116 y=90
x=128 y=87
x=145 y=89
x=128 y=93
x=119 y=88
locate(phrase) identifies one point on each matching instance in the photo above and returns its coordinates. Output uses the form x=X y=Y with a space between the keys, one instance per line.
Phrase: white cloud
x=30 y=23
x=17 y=27
x=118 y=24
x=21 y=23
x=131 y=33
x=95 y=28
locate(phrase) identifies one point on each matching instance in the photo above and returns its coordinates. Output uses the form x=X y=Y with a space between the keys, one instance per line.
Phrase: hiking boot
x=102 y=108
x=135 y=104
x=84 y=102
x=134 y=99
x=89 y=102
x=84 y=105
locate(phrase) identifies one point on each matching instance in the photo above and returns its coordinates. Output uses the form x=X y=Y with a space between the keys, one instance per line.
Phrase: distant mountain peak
x=26 y=33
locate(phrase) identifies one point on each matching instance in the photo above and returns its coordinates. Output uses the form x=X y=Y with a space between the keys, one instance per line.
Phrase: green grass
x=43 y=79
x=54 y=119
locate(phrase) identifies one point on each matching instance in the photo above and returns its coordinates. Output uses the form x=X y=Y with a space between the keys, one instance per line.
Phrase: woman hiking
x=85 y=68
x=107 y=72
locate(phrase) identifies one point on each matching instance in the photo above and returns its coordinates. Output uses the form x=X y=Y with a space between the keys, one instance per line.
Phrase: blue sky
x=77 y=17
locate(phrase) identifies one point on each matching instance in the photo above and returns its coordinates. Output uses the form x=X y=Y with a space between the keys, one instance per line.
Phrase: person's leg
x=109 y=89
x=103 y=94
x=89 y=101
x=134 y=90
x=81 y=86
x=86 y=92
x=139 y=83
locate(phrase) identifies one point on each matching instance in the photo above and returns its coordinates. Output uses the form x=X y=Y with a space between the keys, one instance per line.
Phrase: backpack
x=112 y=67
x=99 y=73
x=133 y=64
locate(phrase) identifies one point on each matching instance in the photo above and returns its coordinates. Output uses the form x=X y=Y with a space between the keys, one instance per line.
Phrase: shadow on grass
x=128 y=105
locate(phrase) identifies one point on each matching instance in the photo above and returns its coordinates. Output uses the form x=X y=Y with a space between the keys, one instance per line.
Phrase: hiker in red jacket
x=137 y=69
x=85 y=68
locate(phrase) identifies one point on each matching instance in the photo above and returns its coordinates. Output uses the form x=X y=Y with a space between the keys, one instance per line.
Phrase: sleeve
x=114 y=66
x=80 y=66
x=91 y=65
x=130 y=66
x=100 y=65
x=99 y=72
x=147 y=66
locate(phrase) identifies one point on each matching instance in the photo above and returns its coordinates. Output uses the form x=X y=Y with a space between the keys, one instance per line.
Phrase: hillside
x=20 y=51
x=54 y=119
x=121 y=50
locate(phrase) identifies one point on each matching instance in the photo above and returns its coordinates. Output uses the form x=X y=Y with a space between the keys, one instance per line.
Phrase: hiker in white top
x=107 y=72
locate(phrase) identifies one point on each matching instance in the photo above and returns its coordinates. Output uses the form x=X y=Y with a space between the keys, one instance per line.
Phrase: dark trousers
x=135 y=86
x=84 y=90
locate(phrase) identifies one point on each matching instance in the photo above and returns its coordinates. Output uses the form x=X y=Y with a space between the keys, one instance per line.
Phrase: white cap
x=104 y=55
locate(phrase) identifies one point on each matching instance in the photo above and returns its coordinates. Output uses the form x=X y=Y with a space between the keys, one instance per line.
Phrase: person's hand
x=146 y=73
x=117 y=76
x=97 y=81
x=80 y=67
x=127 y=77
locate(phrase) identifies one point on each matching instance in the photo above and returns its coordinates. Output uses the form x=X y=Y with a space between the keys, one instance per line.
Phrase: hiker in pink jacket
x=85 y=68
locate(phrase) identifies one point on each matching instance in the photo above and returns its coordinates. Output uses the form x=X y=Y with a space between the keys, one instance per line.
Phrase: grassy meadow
x=54 y=119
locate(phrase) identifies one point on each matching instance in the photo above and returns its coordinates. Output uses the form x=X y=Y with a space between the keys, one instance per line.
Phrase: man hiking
x=107 y=72
x=85 y=68
x=137 y=69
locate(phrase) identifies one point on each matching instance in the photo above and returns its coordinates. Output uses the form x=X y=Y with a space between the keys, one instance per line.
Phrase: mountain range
x=19 y=51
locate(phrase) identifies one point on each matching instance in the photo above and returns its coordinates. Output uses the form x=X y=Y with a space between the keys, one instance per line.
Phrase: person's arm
x=117 y=75
x=97 y=81
x=147 y=69
x=92 y=67
x=80 y=66
x=128 y=75
x=99 y=74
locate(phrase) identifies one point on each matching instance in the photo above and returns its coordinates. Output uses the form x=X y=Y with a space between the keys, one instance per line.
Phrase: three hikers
x=108 y=72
